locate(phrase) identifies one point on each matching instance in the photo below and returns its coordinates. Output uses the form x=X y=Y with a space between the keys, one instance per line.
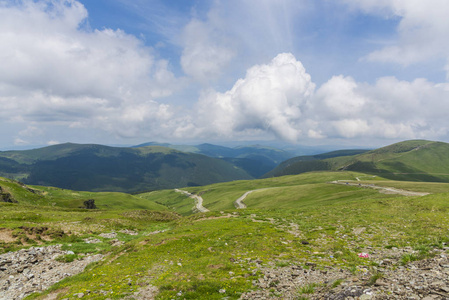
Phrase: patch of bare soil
x=6 y=236
x=54 y=295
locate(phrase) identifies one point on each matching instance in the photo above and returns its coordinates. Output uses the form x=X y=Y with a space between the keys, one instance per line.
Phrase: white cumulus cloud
x=270 y=99
x=390 y=108
x=280 y=98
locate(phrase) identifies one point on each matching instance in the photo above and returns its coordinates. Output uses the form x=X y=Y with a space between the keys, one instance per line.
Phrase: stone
x=35 y=269
x=89 y=204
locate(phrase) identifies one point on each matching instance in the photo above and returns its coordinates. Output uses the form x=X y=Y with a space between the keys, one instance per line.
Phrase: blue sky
x=365 y=72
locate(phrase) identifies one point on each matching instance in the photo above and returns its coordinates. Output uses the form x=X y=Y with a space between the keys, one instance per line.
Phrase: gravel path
x=386 y=190
x=239 y=202
x=198 y=201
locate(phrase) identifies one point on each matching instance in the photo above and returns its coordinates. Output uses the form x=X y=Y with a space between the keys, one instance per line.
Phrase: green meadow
x=300 y=219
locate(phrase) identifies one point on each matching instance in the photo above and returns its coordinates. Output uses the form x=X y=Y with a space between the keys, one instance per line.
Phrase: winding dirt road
x=198 y=201
x=240 y=205
x=386 y=190
x=239 y=202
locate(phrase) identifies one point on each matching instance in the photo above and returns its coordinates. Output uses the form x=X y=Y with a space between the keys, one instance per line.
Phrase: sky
x=306 y=72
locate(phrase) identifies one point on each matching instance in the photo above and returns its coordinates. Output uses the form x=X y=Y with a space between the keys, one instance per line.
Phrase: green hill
x=416 y=160
x=288 y=192
x=22 y=194
x=102 y=168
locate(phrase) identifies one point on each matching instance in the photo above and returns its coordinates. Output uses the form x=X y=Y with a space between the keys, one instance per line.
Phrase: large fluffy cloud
x=55 y=69
x=389 y=109
x=270 y=99
x=280 y=98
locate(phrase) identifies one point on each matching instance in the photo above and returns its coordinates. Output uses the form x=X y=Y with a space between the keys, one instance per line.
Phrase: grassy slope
x=204 y=253
x=221 y=196
x=50 y=196
x=415 y=160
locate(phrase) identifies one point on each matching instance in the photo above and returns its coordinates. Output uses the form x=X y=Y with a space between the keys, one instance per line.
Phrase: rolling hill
x=416 y=160
x=42 y=196
x=103 y=168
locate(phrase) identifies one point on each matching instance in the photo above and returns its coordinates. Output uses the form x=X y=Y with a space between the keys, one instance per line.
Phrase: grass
x=56 y=197
x=416 y=160
x=337 y=282
x=39 y=225
x=66 y=258
x=198 y=258
x=221 y=196
x=300 y=220
x=307 y=289
x=376 y=276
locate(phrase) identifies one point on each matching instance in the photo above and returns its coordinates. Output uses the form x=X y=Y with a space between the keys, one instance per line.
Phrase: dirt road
x=198 y=201
x=239 y=202
x=386 y=190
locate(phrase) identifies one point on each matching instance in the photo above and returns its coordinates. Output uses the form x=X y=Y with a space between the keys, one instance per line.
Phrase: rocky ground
x=383 y=277
x=36 y=269
x=425 y=279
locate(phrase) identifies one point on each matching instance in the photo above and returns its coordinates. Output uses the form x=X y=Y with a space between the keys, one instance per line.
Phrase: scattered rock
x=132 y=232
x=90 y=204
x=35 y=269
x=426 y=279
x=92 y=241
x=111 y=235
x=6 y=197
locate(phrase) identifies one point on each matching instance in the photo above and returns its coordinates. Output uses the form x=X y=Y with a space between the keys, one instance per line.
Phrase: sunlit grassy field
x=299 y=220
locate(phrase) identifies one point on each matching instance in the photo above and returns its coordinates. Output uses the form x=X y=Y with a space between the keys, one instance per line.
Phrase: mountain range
x=154 y=166
x=103 y=168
